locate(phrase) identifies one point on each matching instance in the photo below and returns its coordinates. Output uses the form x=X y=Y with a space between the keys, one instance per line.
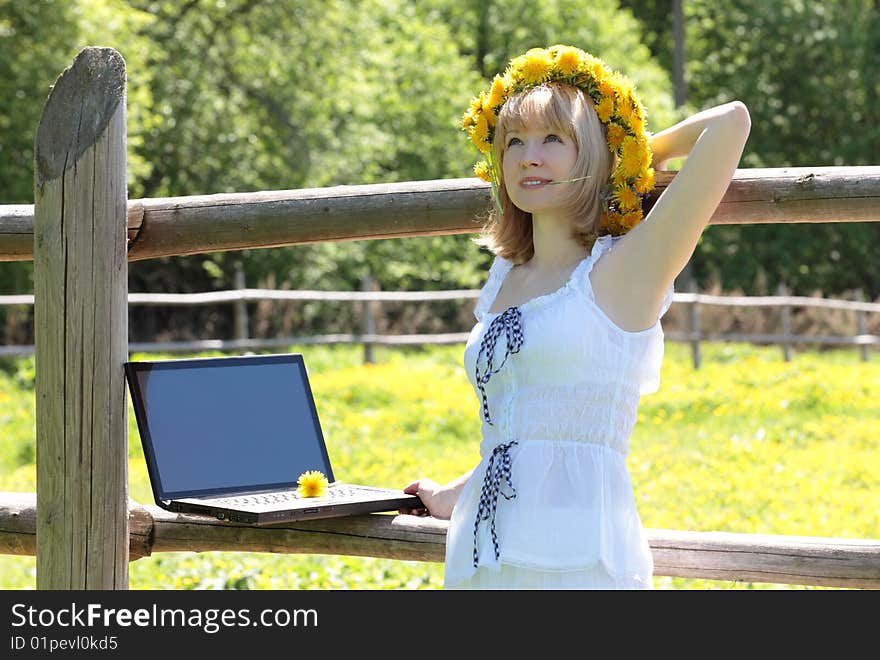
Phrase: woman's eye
x=553 y=138
x=513 y=141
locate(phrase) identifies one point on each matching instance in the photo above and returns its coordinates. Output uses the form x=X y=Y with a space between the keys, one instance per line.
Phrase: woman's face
x=534 y=158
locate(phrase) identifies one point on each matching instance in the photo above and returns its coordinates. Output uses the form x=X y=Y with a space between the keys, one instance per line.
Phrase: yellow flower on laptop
x=312 y=483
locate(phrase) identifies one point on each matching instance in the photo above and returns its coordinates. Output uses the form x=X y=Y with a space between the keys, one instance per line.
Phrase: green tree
x=277 y=95
x=35 y=41
x=491 y=32
x=656 y=20
x=243 y=95
x=808 y=73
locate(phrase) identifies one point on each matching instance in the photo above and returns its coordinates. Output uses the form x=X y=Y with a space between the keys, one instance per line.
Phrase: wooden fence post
x=694 y=309
x=862 y=324
x=368 y=283
x=81 y=327
x=785 y=311
x=241 y=312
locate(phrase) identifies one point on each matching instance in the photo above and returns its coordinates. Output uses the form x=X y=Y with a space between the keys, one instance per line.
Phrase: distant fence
x=694 y=334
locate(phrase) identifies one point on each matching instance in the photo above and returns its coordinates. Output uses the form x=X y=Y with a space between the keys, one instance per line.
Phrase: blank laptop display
x=230 y=436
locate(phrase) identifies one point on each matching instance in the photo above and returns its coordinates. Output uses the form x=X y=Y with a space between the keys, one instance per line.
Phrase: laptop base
x=320 y=510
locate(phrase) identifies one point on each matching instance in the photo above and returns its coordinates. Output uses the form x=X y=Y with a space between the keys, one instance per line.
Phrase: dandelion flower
x=632 y=157
x=605 y=108
x=612 y=221
x=568 y=61
x=312 y=483
x=496 y=94
x=481 y=170
x=624 y=87
x=631 y=219
x=535 y=66
x=626 y=197
x=480 y=133
x=616 y=133
x=592 y=67
x=605 y=87
x=637 y=123
x=476 y=105
x=633 y=113
x=645 y=181
x=469 y=118
x=625 y=110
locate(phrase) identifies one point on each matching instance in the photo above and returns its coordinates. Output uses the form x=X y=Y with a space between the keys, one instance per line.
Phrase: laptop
x=230 y=436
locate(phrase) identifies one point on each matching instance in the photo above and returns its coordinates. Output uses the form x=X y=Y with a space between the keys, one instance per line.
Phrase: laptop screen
x=219 y=425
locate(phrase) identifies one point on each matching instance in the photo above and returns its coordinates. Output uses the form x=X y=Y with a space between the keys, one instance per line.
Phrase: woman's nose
x=531 y=156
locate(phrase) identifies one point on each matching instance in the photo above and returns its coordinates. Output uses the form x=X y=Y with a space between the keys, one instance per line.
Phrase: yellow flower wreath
x=617 y=107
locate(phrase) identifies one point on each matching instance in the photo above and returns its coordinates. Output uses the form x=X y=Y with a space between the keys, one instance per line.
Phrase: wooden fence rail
x=176 y=226
x=814 y=561
x=256 y=295
x=243 y=342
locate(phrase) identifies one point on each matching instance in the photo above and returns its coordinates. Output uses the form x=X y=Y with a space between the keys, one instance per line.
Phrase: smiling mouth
x=533 y=183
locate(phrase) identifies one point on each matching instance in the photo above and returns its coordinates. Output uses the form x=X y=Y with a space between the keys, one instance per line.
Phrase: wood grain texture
x=802 y=560
x=816 y=561
x=81 y=328
x=208 y=223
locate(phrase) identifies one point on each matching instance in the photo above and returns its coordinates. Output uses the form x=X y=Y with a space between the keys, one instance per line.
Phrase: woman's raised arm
x=656 y=250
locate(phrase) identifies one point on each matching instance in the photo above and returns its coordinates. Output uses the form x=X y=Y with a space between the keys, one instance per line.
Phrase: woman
x=568 y=335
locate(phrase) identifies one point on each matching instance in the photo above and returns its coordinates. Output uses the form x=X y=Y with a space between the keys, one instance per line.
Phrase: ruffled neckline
x=600 y=246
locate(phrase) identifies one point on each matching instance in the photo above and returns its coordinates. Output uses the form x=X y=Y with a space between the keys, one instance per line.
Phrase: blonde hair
x=568 y=110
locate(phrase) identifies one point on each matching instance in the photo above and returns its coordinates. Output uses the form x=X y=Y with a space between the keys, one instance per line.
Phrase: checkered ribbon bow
x=497 y=470
x=510 y=323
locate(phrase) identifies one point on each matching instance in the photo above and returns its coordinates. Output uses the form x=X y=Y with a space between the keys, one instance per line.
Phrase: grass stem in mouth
x=579 y=178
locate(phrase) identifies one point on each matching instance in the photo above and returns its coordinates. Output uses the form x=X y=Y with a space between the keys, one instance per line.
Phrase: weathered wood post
x=81 y=327
x=368 y=283
x=694 y=318
x=861 y=323
x=785 y=310
x=241 y=313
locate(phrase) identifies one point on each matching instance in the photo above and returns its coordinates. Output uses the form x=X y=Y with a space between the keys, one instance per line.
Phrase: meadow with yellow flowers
x=747 y=443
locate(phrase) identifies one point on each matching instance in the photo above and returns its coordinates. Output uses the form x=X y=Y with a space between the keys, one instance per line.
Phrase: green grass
x=748 y=443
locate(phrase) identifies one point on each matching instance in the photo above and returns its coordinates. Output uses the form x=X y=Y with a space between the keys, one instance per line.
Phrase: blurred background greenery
x=244 y=95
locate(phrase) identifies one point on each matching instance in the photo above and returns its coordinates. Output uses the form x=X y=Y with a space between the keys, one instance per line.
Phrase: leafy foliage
x=35 y=43
x=808 y=74
x=238 y=96
x=241 y=95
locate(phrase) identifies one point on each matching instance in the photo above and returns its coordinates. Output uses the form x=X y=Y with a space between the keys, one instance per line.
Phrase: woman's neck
x=555 y=247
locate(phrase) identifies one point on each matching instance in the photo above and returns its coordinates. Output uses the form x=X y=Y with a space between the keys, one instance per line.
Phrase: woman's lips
x=532 y=182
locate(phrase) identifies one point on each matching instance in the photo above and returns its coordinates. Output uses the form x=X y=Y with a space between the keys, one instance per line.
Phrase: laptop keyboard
x=336 y=492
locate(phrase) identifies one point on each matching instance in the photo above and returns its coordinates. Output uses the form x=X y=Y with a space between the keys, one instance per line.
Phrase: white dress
x=550 y=505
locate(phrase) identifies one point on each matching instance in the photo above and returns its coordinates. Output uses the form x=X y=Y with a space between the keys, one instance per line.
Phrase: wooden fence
x=80 y=523
x=803 y=560
x=243 y=342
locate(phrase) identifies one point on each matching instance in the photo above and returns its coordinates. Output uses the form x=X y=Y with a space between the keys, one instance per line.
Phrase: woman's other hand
x=438 y=500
